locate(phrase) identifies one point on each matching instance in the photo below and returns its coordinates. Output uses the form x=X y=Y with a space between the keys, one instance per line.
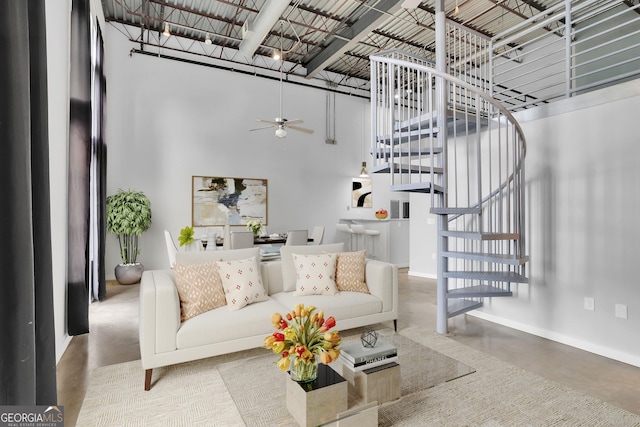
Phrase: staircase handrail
x=464 y=85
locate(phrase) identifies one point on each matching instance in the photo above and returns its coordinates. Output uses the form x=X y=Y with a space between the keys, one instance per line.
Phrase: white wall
x=169 y=120
x=583 y=205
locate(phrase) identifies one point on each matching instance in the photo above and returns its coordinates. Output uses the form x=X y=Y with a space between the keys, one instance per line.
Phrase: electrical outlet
x=589 y=304
x=433 y=256
x=621 y=311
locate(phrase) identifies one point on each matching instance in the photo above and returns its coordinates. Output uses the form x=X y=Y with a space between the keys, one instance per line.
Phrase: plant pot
x=128 y=274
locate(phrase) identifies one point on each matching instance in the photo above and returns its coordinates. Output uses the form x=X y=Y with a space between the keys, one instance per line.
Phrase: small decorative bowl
x=381 y=215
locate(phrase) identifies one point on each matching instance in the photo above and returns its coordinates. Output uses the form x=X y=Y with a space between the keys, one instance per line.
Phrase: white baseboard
x=425 y=275
x=563 y=339
x=62 y=348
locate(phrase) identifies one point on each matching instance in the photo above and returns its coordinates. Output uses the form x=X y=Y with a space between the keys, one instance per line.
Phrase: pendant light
x=166 y=31
x=363 y=170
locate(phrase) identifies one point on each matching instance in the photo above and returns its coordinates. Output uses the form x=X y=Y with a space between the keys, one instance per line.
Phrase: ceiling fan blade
x=298 y=128
x=293 y=122
x=268 y=121
x=263 y=127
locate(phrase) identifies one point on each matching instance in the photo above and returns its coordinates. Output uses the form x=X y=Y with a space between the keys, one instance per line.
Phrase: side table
x=319 y=401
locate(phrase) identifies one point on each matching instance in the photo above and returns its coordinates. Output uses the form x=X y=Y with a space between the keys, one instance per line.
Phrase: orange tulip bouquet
x=303 y=335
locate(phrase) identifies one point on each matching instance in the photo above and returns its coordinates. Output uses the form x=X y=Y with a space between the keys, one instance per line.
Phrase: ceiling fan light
x=280 y=132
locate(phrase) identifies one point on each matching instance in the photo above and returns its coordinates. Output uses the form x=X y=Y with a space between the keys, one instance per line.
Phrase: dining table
x=261 y=240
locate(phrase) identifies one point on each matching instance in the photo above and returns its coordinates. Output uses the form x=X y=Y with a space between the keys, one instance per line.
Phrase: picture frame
x=361 y=193
x=217 y=201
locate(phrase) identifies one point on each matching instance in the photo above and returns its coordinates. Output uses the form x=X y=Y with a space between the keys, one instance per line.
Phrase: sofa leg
x=395 y=325
x=147 y=379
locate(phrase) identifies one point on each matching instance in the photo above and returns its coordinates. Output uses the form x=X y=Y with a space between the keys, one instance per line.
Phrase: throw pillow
x=315 y=274
x=241 y=282
x=350 y=272
x=199 y=288
x=289 y=276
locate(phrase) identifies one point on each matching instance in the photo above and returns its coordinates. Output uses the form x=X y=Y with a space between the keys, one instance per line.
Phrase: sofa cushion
x=344 y=305
x=350 y=272
x=289 y=276
x=221 y=325
x=315 y=274
x=193 y=257
x=199 y=288
x=242 y=282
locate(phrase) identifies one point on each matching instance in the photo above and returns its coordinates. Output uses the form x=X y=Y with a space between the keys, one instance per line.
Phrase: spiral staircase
x=436 y=134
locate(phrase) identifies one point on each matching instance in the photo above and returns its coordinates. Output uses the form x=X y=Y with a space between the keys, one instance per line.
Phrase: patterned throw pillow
x=350 y=272
x=199 y=288
x=315 y=274
x=242 y=282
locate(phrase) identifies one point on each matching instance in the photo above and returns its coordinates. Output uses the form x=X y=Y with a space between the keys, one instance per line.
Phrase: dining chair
x=317 y=234
x=171 y=248
x=241 y=239
x=297 y=237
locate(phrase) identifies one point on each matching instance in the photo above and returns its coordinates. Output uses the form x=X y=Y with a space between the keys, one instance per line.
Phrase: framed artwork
x=361 y=196
x=218 y=201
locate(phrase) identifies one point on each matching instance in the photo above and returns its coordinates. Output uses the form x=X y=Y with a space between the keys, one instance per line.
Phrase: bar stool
x=360 y=230
x=346 y=229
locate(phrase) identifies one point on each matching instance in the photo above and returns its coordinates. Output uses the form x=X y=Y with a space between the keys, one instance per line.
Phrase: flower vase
x=304 y=371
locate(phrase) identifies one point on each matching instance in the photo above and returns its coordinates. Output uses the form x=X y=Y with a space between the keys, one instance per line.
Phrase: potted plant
x=128 y=216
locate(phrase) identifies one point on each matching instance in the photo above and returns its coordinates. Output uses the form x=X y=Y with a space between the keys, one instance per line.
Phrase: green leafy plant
x=186 y=236
x=128 y=216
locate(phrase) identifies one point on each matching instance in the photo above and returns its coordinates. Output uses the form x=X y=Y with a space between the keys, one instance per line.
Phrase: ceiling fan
x=280 y=122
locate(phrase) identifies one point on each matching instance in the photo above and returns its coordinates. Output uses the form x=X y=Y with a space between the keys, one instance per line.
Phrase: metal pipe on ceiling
x=254 y=32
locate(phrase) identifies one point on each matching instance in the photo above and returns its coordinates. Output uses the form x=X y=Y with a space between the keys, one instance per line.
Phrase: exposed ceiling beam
x=349 y=37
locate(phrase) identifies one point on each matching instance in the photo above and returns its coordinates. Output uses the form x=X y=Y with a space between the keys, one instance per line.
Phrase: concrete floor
x=113 y=338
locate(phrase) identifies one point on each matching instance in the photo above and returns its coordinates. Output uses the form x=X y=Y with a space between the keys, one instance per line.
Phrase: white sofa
x=165 y=340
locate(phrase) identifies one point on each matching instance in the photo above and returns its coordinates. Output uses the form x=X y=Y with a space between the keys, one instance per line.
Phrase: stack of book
x=356 y=357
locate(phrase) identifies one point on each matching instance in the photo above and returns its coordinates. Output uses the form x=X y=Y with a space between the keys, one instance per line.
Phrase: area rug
x=201 y=393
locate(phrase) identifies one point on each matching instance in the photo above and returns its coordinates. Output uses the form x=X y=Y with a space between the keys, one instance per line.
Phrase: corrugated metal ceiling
x=311 y=29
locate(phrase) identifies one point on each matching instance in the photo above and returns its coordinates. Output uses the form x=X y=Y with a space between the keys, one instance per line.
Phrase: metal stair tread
x=431 y=118
x=476 y=235
x=426 y=151
x=402 y=137
x=397 y=167
x=494 y=276
x=456 y=211
x=455 y=307
x=478 y=291
x=488 y=257
x=416 y=187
